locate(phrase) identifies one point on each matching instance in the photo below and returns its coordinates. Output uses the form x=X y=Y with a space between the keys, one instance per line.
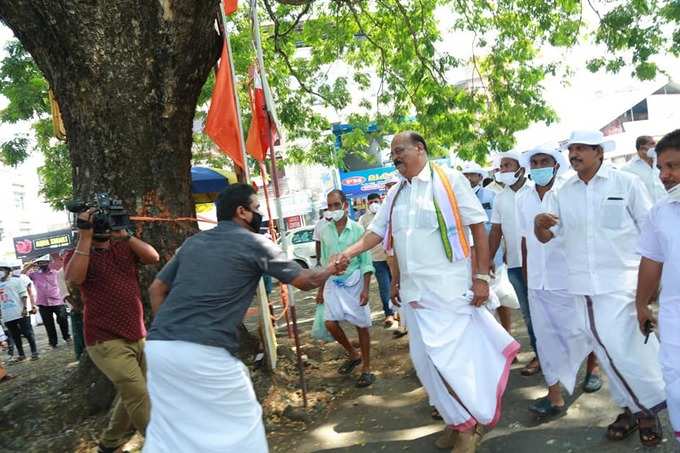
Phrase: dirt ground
x=39 y=412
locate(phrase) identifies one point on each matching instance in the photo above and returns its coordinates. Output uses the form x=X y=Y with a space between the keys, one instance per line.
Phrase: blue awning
x=207 y=180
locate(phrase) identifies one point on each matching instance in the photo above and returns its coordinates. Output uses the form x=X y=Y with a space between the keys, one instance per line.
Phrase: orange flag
x=262 y=130
x=230 y=6
x=222 y=124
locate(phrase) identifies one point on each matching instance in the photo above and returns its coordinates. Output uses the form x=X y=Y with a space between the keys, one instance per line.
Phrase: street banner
x=361 y=183
x=34 y=246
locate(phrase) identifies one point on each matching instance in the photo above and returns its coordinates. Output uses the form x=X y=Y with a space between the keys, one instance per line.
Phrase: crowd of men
x=581 y=251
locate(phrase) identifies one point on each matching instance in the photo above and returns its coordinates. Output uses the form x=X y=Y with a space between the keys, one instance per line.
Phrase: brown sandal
x=624 y=425
x=650 y=436
x=531 y=368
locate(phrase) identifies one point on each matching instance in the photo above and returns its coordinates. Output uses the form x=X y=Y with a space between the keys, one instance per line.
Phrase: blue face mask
x=542 y=176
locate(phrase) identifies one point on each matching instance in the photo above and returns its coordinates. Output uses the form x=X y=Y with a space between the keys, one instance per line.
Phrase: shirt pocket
x=613 y=211
x=399 y=218
x=426 y=216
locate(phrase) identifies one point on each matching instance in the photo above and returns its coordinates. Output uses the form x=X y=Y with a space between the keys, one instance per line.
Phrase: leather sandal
x=624 y=425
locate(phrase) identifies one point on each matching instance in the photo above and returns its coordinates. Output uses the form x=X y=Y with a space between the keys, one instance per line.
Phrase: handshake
x=337 y=264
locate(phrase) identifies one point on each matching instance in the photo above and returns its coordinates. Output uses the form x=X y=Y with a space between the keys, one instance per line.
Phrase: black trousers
x=19 y=327
x=47 y=314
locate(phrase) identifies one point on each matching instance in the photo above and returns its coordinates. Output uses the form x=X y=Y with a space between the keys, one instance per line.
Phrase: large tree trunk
x=127 y=75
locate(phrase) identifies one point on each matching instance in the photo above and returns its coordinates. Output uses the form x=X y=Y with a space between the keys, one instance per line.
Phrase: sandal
x=531 y=368
x=399 y=333
x=349 y=366
x=624 y=425
x=543 y=407
x=650 y=436
x=365 y=379
x=436 y=415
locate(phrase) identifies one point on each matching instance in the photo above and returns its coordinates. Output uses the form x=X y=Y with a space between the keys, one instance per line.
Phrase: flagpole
x=268 y=334
x=271 y=116
x=232 y=73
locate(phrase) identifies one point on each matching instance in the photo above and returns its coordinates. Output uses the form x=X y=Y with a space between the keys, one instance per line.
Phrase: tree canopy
x=385 y=63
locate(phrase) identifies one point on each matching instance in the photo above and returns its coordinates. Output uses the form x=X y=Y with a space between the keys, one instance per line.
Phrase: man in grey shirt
x=199 y=298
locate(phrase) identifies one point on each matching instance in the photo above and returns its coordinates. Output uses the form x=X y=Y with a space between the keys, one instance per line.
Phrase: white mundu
x=452 y=343
x=660 y=242
x=558 y=317
x=600 y=223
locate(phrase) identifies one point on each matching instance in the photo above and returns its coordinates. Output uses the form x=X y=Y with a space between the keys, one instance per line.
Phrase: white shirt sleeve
x=470 y=208
x=521 y=218
x=553 y=207
x=640 y=203
x=648 y=244
x=317 y=230
x=379 y=223
x=495 y=211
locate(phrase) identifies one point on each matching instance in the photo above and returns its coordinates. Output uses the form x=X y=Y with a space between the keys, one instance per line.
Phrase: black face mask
x=256 y=221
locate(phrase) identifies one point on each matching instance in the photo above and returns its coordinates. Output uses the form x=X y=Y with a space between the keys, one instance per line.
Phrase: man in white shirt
x=504 y=228
x=561 y=341
x=660 y=263
x=461 y=354
x=599 y=213
x=642 y=165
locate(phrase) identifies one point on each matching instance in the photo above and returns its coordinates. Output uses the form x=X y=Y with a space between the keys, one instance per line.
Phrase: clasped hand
x=338 y=264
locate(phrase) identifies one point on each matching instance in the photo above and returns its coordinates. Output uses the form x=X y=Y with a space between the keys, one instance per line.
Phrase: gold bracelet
x=78 y=252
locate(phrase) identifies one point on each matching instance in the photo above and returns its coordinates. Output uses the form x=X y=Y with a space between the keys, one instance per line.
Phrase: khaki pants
x=124 y=364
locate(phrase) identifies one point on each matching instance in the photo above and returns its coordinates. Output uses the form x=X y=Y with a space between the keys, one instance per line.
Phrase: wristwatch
x=483 y=277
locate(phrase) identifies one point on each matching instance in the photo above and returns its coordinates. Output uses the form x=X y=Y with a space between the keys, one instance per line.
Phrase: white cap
x=43 y=258
x=551 y=149
x=590 y=138
x=512 y=154
x=6 y=263
x=473 y=167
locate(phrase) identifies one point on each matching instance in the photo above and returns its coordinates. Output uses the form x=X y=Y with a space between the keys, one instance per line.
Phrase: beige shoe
x=447 y=439
x=467 y=442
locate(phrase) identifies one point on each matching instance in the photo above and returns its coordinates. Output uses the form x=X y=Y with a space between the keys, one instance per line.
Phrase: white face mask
x=674 y=193
x=336 y=216
x=651 y=153
x=508 y=178
x=327 y=215
x=374 y=207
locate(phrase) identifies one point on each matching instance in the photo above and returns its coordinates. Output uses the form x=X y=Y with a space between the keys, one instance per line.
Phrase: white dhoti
x=562 y=342
x=669 y=331
x=341 y=299
x=458 y=346
x=635 y=379
x=202 y=400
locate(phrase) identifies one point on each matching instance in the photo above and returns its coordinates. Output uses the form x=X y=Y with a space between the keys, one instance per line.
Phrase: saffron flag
x=222 y=124
x=262 y=129
x=230 y=6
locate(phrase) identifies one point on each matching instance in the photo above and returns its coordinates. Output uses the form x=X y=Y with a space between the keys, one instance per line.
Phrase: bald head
x=409 y=153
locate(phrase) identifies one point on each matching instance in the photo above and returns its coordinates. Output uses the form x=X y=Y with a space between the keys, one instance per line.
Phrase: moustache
x=397 y=162
x=574 y=159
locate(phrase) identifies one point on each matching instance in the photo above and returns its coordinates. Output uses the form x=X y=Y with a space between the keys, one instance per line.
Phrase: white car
x=301 y=246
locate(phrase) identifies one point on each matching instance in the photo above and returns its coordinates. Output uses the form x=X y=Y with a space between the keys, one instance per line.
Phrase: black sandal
x=624 y=425
x=650 y=436
x=365 y=379
x=349 y=366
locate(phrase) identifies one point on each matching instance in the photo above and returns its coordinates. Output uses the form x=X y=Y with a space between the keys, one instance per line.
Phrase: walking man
x=202 y=399
x=461 y=354
x=14 y=308
x=642 y=165
x=660 y=263
x=104 y=265
x=50 y=302
x=379 y=257
x=504 y=227
x=599 y=212
x=345 y=297
x=561 y=342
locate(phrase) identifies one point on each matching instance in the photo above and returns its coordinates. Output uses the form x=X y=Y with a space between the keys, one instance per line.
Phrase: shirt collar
x=425 y=174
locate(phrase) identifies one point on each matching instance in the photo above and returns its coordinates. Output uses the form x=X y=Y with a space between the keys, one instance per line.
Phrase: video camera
x=109 y=215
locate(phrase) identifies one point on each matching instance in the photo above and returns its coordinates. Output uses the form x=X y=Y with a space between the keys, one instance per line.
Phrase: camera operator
x=104 y=265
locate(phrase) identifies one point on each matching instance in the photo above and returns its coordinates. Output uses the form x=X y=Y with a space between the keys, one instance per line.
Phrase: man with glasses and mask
x=598 y=213
x=201 y=395
x=379 y=256
x=345 y=296
x=504 y=227
x=104 y=265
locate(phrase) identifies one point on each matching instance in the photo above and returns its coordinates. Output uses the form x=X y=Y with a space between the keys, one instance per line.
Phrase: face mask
x=674 y=193
x=374 y=207
x=16 y=272
x=651 y=153
x=542 y=176
x=3 y=274
x=256 y=222
x=507 y=178
x=327 y=215
x=44 y=267
x=337 y=216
